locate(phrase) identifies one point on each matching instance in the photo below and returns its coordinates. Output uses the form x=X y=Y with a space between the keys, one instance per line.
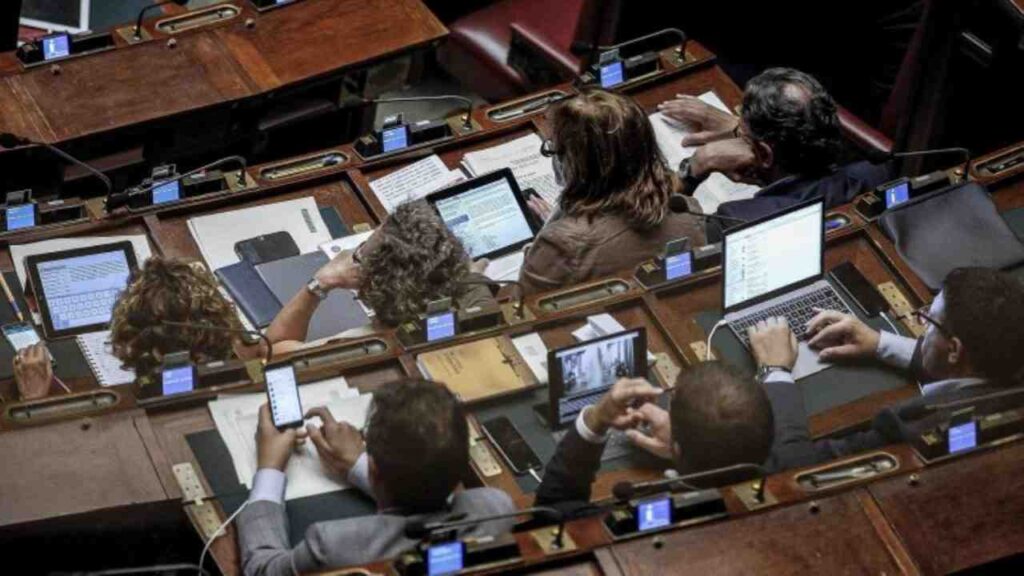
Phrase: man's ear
x=764 y=154
x=955 y=352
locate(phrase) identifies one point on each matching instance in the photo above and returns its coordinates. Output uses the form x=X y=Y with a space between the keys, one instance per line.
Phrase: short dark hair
x=720 y=416
x=419 y=441
x=791 y=112
x=985 y=310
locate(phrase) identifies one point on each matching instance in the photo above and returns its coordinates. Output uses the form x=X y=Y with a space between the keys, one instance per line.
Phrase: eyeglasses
x=923 y=319
x=355 y=254
x=547 y=149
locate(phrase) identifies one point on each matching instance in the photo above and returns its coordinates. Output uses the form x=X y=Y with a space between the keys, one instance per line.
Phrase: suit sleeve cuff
x=359 y=475
x=895 y=350
x=586 y=433
x=268 y=484
x=779 y=376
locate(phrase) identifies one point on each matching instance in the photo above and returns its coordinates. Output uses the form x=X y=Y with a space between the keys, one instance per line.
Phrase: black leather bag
x=951 y=228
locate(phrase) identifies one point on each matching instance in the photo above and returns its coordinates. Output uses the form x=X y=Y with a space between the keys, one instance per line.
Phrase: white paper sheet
x=535 y=353
x=21 y=251
x=237 y=417
x=216 y=234
x=339 y=245
x=717 y=188
x=522 y=155
x=413 y=182
x=506 y=267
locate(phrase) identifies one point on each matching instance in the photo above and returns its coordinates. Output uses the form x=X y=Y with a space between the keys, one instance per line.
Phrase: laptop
x=775 y=266
x=579 y=375
x=488 y=214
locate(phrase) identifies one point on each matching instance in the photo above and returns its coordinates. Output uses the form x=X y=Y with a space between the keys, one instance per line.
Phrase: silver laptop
x=776 y=267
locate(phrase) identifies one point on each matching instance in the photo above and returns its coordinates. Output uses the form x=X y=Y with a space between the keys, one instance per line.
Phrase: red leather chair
x=535 y=31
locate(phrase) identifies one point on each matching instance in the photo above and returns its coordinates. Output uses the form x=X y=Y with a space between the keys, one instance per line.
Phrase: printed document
x=522 y=155
x=413 y=182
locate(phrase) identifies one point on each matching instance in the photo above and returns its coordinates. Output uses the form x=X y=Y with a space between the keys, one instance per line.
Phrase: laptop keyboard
x=617 y=446
x=797 y=312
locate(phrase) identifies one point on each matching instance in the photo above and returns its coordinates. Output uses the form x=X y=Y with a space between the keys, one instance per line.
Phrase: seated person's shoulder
x=483 y=501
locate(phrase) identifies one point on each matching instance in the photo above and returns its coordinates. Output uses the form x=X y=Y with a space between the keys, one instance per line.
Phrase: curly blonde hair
x=417 y=260
x=171 y=290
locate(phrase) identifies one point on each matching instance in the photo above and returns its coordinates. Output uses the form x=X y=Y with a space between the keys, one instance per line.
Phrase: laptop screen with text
x=774 y=254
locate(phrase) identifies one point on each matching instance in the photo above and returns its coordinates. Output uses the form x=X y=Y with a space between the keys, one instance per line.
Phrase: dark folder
x=287 y=276
x=247 y=289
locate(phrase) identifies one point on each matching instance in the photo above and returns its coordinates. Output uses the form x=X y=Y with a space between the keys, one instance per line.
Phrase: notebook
x=478 y=370
x=247 y=289
x=104 y=365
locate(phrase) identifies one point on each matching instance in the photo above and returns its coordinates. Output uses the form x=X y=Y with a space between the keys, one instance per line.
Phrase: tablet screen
x=81 y=290
x=487 y=218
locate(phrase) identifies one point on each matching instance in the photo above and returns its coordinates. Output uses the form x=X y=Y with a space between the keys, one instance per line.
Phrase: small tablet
x=76 y=289
x=488 y=214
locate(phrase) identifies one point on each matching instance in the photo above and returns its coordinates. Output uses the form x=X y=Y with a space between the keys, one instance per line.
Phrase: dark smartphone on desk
x=267 y=248
x=856 y=286
x=513 y=448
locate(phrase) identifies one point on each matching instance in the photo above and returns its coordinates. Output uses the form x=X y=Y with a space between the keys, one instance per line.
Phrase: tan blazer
x=570 y=249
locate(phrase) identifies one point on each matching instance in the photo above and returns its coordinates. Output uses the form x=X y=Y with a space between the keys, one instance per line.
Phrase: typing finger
x=829 y=335
x=823 y=318
x=317 y=437
x=323 y=413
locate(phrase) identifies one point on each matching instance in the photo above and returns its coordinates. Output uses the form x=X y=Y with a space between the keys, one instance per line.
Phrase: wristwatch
x=316 y=289
x=690 y=182
x=765 y=370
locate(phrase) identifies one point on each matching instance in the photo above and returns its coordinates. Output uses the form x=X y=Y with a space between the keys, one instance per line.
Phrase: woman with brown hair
x=614 y=210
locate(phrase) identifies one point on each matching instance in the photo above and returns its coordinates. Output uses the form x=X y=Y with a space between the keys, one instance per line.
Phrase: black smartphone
x=849 y=278
x=513 y=448
x=283 y=395
x=267 y=248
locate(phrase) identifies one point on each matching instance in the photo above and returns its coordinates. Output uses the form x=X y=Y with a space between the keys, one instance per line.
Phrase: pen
x=10 y=298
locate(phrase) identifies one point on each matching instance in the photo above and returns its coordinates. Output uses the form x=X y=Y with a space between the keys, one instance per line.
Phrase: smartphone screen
x=283 y=394
x=511 y=445
x=654 y=514
x=678 y=265
x=440 y=326
x=178 y=379
x=611 y=75
x=898 y=194
x=963 y=437
x=168 y=192
x=21 y=335
x=20 y=216
x=395 y=138
x=446 y=558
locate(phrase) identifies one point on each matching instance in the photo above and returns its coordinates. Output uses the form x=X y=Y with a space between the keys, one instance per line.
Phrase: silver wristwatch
x=316 y=289
x=764 y=371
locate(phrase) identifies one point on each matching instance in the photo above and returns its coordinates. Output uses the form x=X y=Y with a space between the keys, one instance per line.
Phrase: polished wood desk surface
x=666 y=314
x=207 y=66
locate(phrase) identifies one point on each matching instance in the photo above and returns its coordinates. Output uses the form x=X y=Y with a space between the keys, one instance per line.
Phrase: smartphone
x=513 y=448
x=20 y=335
x=849 y=278
x=441 y=325
x=654 y=514
x=178 y=379
x=283 y=395
x=267 y=248
x=963 y=431
x=446 y=558
x=21 y=216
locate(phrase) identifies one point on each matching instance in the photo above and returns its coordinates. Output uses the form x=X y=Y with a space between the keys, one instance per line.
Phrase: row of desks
x=146 y=443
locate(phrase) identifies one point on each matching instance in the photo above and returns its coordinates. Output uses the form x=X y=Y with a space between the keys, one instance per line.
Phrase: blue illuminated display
x=678 y=265
x=21 y=216
x=898 y=194
x=57 y=46
x=963 y=437
x=169 y=192
x=445 y=559
x=396 y=138
x=178 y=380
x=654 y=514
x=611 y=75
x=440 y=326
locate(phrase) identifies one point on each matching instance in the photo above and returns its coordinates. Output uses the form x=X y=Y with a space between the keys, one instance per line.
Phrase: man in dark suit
x=972 y=348
x=415 y=454
x=718 y=416
x=787 y=140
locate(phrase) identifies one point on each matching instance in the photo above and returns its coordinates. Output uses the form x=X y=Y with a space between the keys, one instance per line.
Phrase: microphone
x=137 y=35
x=918 y=411
x=214 y=328
x=678 y=204
x=419 y=530
x=436 y=277
x=580 y=48
x=115 y=201
x=625 y=491
x=466 y=116
x=937 y=152
x=9 y=140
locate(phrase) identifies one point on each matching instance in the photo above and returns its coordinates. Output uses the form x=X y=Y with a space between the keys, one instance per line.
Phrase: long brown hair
x=610 y=159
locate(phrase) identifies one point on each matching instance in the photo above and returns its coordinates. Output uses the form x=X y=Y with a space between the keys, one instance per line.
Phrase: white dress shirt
x=269 y=483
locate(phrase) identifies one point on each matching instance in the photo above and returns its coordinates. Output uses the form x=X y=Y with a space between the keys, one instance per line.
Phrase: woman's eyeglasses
x=547 y=149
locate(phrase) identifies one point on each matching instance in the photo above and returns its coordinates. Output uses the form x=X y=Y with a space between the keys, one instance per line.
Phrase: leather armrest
x=869 y=140
x=559 y=58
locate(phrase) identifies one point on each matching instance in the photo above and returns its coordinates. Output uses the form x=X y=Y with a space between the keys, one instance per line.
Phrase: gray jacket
x=263 y=535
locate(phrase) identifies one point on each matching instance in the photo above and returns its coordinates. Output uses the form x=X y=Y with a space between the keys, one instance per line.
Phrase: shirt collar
x=951 y=385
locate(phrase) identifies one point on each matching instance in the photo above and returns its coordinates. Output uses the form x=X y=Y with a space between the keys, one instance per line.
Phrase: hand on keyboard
x=841 y=336
x=773 y=343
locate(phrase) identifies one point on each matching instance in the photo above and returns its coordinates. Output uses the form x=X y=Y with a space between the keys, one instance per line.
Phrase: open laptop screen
x=767 y=257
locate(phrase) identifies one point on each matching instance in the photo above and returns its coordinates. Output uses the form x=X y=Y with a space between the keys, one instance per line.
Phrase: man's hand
x=659 y=439
x=773 y=343
x=707 y=122
x=540 y=207
x=340 y=444
x=733 y=157
x=33 y=371
x=841 y=337
x=274 y=447
x=618 y=408
x=341 y=272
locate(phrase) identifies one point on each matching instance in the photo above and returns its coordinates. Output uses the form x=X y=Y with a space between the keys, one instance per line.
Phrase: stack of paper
x=535 y=353
x=413 y=182
x=237 y=417
x=717 y=188
x=522 y=155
